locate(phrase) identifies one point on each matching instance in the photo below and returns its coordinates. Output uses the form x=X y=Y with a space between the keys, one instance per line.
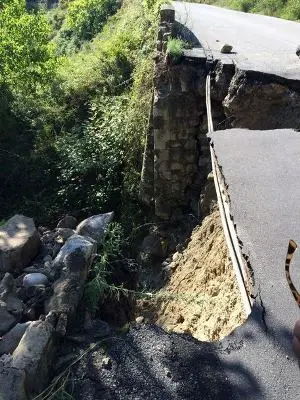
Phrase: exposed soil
x=201 y=296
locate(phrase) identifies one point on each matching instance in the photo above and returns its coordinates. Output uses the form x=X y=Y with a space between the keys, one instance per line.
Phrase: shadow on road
x=148 y=363
x=183 y=33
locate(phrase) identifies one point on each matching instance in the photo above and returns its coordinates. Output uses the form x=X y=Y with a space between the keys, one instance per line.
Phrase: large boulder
x=12 y=380
x=34 y=355
x=74 y=261
x=19 y=244
x=10 y=341
x=75 y=256
x=95 y=226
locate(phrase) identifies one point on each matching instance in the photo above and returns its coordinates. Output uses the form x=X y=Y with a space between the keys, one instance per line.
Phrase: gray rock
x=12 y=338
x=74 y=260
x=76 y=256
x=7 y=320
x=12 y=381
x=7 y=286
x=68 y=291
x=95 y=226
x=226 y=49
x=35 y=279
x=65 y=233
x=68 y=222
x=34 y=355
x=139 y=320
x=19 y=243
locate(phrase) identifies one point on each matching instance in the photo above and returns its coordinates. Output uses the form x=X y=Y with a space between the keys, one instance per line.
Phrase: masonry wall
x=177 y=160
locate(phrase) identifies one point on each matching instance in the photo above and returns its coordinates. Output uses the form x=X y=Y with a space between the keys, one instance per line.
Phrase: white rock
x=36 y=278
x=19 y=243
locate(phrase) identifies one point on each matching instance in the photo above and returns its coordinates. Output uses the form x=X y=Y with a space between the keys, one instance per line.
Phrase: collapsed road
x=261 y=173
x=259 y=43
x=261 y=169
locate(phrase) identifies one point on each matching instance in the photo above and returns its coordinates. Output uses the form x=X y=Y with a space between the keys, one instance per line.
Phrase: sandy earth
x=201 y=297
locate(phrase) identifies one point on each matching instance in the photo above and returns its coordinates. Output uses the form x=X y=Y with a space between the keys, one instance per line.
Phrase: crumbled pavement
x=149 y=363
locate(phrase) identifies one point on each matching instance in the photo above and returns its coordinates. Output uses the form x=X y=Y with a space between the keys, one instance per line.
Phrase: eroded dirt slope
x=201 y=296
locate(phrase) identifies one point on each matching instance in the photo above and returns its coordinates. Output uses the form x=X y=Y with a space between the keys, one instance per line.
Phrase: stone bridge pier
x=176 y=157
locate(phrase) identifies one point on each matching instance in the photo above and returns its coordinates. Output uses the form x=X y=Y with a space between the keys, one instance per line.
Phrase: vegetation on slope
x=289 y=9
x=74 y=107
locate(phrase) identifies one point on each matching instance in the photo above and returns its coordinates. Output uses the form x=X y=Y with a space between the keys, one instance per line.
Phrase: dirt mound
x=202 y=296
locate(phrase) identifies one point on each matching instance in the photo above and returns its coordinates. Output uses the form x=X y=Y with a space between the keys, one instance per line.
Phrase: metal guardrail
x=228 y=227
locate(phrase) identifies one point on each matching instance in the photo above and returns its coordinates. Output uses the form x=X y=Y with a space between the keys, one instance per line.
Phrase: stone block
x=190 y=145
x=175 y=144
x=95 y=226
x=163 y=155
x=167 y=13
x=160 y=139
x=204 y=161
x=190 y=158
x=183 y=134
x=177 y=155
x=19 y=243
x=166 y=174
x=34 y=355
x=176 y=166
x=158 y=122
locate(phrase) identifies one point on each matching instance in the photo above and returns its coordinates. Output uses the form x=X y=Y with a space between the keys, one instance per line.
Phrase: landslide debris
x=201 y=296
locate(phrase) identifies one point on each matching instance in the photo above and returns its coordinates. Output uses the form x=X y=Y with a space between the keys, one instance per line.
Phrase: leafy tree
x=26 y=57
x=87 y=17
x=27 y=68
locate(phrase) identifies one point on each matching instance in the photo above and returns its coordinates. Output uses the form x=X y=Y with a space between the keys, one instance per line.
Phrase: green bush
x=75 y=142
x=92 y=160
x=98 y=288
x=87 y=17
x=175 y=48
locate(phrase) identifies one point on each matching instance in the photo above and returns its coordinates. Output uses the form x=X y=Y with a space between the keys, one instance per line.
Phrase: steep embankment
x=201 y=297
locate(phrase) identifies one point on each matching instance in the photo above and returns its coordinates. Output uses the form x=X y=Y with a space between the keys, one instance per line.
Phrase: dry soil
x=201 y=296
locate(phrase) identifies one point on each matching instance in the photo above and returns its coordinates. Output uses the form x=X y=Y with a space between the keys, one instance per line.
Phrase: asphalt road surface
x=260 y=43
x=262 y=170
